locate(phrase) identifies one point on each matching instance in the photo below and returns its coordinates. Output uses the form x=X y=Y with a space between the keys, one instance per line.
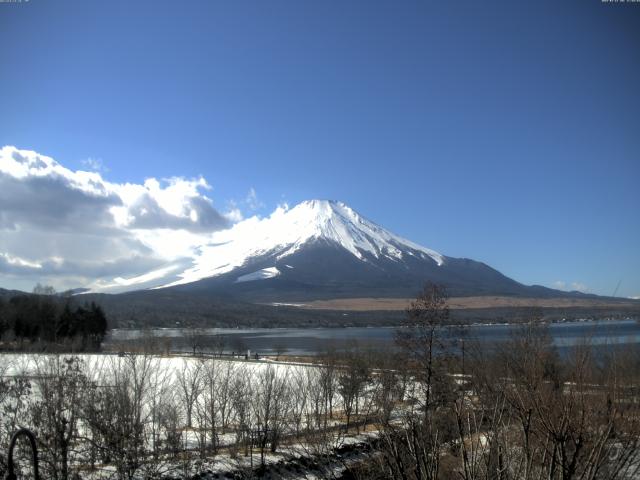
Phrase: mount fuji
x=323 y=249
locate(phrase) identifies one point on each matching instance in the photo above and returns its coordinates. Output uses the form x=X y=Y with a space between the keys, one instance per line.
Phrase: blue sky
x=503 y=131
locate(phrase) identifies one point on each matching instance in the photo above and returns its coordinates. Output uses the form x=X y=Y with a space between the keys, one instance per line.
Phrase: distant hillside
x=171 y=308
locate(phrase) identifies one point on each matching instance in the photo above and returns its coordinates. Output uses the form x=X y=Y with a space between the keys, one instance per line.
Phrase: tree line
x=44 y=320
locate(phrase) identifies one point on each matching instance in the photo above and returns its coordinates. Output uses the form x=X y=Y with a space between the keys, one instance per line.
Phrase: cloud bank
x=571 y=287
x=76 y=229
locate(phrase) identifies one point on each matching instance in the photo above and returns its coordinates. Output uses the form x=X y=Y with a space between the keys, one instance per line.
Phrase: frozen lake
x=312 y=341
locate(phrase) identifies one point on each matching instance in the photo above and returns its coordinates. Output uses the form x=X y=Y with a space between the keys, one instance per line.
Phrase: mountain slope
x=286 y=232
x=324 y=249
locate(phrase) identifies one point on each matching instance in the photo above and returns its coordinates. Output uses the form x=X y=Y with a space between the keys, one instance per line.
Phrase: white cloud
x=579 y=287
x=95 y=164
x=234 y=214
x=573 y=286
x=9 y=262
x=74 y=228
x=252 y=201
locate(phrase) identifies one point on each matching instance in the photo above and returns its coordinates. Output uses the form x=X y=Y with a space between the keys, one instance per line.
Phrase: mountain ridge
x=323 y=249
x=284 y=232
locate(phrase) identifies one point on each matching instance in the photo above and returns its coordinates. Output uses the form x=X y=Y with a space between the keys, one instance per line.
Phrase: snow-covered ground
x=285 y=397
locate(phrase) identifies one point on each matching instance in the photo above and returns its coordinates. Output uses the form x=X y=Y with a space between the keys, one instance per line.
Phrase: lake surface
x=313 y=341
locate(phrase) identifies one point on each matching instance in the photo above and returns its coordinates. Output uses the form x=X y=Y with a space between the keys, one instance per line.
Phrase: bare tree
x=411 y=449
x=271 y=406
x=241 y=396
x=352 y=378
x=195 y=338
x=328 y=380
x=421 y=338
x=226 y=374
x=55 y=412
x=388 y=386
x=15 y=391
x=162 y=414
x=190 y=387
x=300 y=390
x=118 y=414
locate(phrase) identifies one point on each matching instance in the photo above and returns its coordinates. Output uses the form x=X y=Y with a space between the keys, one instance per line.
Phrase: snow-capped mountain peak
x=337 y=222
x=319 y=249
x=286 y=231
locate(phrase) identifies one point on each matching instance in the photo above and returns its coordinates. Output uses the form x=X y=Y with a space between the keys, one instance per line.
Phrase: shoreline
x=249 y=329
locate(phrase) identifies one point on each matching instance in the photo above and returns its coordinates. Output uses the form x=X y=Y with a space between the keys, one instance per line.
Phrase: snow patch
x=259 y=275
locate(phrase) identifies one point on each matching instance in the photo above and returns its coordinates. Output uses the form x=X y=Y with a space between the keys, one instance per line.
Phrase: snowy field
x=137 y=416
x=182 y=415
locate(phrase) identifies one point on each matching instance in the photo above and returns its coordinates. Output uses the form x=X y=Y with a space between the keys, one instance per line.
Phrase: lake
x=312 y=341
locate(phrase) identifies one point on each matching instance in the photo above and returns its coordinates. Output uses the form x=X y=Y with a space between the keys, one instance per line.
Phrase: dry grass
x=368 y=304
